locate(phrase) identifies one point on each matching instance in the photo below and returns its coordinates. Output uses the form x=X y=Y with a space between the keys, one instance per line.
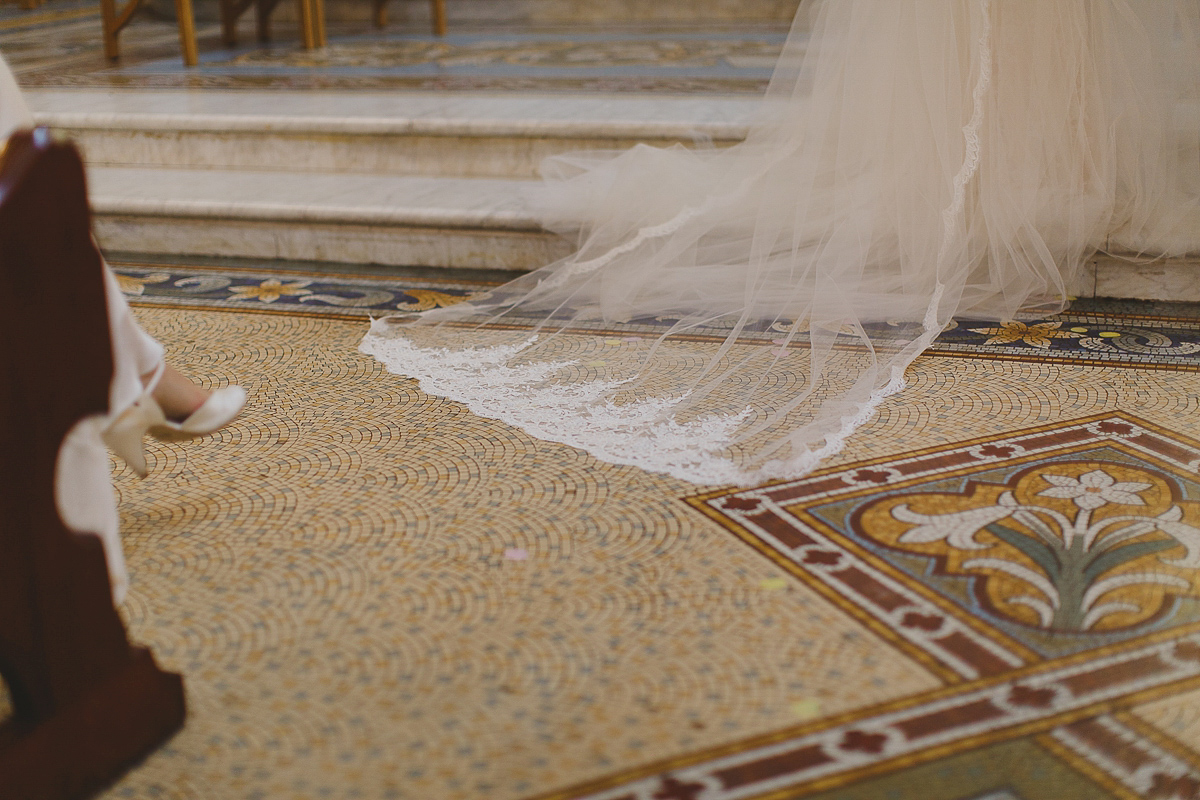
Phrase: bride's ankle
x=177 y=395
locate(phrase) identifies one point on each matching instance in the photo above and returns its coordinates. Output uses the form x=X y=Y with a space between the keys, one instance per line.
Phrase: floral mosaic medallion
x=1050 y=577
x=1053 y=541
x=1066 y=546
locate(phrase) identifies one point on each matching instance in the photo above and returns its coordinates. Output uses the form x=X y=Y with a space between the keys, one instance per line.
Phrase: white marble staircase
x=401 y=179
x=391 y=178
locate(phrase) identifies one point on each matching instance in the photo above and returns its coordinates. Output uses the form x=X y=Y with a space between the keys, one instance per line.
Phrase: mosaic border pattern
x=284 y=291
x=1090 y=337
x=1126 y=756
x=841 y=751
x=1078 y=337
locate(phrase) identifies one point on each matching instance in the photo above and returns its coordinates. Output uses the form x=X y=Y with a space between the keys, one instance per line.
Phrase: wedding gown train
x=912 y=160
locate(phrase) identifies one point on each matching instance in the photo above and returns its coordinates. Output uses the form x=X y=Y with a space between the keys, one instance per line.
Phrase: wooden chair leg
x=229 y=18
x=187 y=31
x=113 y=20
x=108 y=17
x=439 y=17
x=307 y=30
x=319 y=21
x=380 y=9
x=262 y=20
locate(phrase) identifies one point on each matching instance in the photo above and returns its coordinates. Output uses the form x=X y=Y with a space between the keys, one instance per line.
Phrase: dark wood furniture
x=86 y=704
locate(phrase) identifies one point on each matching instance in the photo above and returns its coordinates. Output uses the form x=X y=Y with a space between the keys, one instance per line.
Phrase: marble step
x=466 y=223
x=415 y=133
x=474 y=223
x=1171 y=279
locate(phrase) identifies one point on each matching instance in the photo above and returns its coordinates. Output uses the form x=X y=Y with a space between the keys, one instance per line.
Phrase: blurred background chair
x=311 y=15
x=437 y=10
x=115 y=19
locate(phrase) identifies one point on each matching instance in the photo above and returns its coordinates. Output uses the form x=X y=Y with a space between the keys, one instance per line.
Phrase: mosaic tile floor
x=990 y=595
x=60 y=46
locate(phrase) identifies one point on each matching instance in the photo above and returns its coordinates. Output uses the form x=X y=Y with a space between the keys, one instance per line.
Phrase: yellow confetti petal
x=772 y=584
x=1109 y=334
x=806 y=709
x=1079 y=330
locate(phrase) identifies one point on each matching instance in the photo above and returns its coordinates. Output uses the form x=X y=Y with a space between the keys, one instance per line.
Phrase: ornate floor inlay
x=1049 y=576
x=1080 y=336
x=287 y=292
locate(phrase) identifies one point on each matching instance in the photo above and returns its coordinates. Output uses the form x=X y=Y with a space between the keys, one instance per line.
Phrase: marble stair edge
x=1137 y=278
x=397 y=125
x=448 y=223
x=334 y=243
x=398 y=216
x=366 y=219
x=449 y=147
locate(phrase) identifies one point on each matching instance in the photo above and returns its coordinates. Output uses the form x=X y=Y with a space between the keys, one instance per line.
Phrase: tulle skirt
x=732 y=316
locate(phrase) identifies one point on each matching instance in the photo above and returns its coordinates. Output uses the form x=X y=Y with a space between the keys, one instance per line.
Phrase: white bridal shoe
x=220 y=409
x=144 y=415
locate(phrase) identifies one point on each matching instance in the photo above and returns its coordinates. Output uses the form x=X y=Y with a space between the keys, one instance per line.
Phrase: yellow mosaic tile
x=949 y=400
x=1177 y=716
x=372 y=592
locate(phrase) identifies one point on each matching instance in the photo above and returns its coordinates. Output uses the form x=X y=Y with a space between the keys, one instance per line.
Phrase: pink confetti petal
x=516 y=554
x=779 y=341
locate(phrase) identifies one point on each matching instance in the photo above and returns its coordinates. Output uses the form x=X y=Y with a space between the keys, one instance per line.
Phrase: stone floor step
x=406 y=221
x=368 y=219
x=416 y=133
x=1134 y=278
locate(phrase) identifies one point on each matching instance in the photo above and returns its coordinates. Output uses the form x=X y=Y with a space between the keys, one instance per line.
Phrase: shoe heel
x=124 y=438
x=124 y=435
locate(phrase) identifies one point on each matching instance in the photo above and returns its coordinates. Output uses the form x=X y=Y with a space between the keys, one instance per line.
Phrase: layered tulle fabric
x=731 y=316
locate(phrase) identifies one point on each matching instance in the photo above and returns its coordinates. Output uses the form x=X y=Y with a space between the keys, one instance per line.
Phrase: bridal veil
x=731 y=316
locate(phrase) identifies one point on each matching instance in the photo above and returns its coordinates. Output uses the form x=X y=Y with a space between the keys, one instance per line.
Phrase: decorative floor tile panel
x=992 y=593
x=1048 y=575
